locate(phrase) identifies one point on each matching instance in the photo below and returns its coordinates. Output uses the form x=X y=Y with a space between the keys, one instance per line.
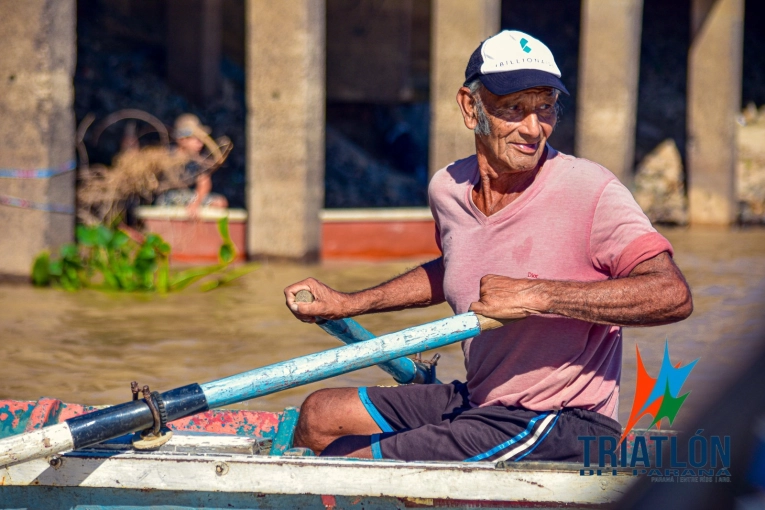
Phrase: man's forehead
x=533 y=93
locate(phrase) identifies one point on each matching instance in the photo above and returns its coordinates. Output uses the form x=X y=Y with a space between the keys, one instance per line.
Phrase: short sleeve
x=622 y=236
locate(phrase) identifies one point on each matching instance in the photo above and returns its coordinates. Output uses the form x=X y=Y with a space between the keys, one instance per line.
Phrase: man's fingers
x=477 y=307
x=305 y=311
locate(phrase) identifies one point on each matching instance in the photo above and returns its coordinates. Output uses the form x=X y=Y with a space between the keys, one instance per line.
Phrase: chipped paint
x=286 y=431
x=14 y=416
x=43 y=413
x=20 y=416
x=234 y=422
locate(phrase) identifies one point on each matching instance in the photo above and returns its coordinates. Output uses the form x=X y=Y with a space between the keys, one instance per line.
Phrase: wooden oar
x=93 y=428
x=348 y=331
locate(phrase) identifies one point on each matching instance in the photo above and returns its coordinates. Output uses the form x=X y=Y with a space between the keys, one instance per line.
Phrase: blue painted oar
x=157 y=409
x=348 y=331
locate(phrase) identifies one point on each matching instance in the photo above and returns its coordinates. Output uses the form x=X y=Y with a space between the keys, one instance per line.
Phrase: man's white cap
x=512 y=61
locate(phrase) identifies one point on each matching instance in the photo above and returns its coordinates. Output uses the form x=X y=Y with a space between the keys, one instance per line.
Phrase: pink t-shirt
x=575 y=222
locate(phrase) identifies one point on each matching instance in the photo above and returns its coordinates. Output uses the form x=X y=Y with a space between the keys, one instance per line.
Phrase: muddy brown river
x=87 y=346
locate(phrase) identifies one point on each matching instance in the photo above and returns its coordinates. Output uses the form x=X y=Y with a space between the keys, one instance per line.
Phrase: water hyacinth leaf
x=41 y=270
x=70 y=252
x=163 y=278
x=226 y=253
x=119 y=240
x=146 y=253
x=111 y=280
x=56 y=268
x=223 y=229
x=121 y=261
x=85 y=236
x=163 y=248
x=103 y=235
x=208 y=286
x=189 y=276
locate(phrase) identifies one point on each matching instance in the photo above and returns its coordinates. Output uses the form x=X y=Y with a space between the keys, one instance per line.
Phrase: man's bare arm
x=420 y=287
x=654 y=293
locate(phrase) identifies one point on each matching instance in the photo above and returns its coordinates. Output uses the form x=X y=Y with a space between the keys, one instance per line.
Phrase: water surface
x=87 y=346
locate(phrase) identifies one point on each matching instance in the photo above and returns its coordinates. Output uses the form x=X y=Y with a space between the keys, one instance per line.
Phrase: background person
x=190 y=135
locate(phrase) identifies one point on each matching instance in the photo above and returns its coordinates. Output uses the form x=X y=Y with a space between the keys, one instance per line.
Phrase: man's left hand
x=508 y=298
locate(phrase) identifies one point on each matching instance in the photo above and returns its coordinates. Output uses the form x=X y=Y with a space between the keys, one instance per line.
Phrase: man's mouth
x=528 y=148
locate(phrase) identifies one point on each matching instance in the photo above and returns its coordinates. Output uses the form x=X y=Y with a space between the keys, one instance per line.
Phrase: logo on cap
x=525 y=46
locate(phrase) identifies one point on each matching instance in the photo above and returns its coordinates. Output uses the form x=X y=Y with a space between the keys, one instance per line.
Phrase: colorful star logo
x=658 y=397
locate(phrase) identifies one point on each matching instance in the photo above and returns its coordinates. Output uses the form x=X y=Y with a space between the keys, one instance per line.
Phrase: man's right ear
x=467 y=105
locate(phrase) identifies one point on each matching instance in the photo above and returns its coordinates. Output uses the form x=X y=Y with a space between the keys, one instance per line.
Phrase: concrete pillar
x=457 y=28
x=194 y=42
x=36 y=125
x=714 y=100
x=609 y=62
x=285 y=127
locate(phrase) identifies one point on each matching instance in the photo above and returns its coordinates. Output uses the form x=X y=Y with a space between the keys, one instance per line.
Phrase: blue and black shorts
x=436 y=422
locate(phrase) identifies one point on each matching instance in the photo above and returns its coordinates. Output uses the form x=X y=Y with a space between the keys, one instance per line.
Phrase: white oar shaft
x=36 y=444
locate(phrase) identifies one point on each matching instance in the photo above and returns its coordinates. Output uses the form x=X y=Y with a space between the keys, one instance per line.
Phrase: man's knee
x=331 y=413
x=317 y=409
x=316 y=426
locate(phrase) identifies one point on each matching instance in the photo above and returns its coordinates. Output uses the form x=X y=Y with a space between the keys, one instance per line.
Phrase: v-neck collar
x=516 y=205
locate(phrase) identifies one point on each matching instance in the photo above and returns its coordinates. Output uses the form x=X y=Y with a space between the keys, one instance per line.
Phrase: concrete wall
x=609 y=62
x=36 y=124
x=285 y=127
x=714 y=100
x=457 y=28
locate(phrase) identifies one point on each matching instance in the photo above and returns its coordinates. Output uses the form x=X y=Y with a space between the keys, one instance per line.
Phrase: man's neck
x=499 y=186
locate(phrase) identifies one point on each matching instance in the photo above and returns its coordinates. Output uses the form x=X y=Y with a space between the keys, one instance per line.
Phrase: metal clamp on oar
x=108 y=423
x=158 y=434
x=348 y=331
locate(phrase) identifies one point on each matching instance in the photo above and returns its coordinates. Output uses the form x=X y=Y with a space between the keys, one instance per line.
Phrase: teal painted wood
x=403 y=370
x=285 y=432
x=89 y=498
x=323 y=365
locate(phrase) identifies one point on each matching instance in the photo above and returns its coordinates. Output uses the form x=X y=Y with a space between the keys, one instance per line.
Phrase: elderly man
x=526 y=233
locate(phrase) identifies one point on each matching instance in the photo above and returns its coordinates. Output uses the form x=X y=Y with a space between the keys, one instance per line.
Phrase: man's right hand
x=328 y=303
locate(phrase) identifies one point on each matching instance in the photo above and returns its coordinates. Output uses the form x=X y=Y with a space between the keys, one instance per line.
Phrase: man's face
x=190 y=144
x=519 y=125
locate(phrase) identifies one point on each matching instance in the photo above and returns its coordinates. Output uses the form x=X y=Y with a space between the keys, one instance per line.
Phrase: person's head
x=509 y=99
x=188 y=133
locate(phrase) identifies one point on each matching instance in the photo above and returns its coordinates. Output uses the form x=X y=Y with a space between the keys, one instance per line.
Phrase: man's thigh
x=396 y=408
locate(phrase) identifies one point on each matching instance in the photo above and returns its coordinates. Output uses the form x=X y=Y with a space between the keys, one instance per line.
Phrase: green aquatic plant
x=111 y=259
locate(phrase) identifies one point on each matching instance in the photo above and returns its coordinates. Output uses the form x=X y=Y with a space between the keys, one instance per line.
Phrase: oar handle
x=486 y=323
x=348 y=331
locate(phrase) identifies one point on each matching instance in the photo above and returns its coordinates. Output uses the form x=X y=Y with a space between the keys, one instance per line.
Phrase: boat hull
x=245 y=459
x=107 y=479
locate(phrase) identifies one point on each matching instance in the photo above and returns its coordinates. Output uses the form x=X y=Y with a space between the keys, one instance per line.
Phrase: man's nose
x=530 y=125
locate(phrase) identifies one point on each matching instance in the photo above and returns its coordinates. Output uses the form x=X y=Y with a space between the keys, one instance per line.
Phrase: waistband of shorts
x=593 y=416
